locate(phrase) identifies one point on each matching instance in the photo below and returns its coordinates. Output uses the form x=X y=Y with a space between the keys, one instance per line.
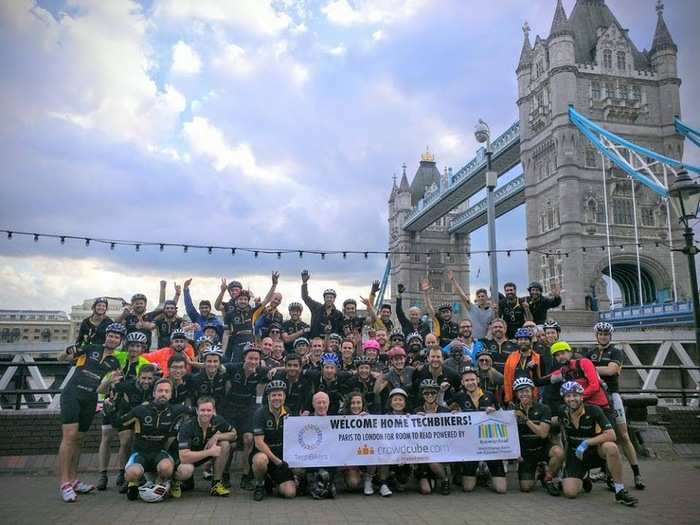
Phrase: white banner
x=334 y=441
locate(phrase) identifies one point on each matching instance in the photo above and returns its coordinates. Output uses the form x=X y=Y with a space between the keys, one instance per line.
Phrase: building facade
x=34 y=326
x=78 y=312
x=589 y=61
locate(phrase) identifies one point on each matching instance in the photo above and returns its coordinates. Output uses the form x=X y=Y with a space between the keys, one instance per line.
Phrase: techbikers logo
x=310 y=437
x=493 y=430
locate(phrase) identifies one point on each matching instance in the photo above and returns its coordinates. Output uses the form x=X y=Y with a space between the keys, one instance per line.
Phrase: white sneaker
x=82 y=488
x=369 y=489
x=68 y=494
x=384 y=490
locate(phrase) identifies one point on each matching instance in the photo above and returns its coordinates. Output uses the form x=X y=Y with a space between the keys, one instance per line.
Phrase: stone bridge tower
x=589 y=60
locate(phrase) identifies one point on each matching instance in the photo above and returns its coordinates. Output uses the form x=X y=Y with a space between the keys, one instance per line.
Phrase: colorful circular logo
x=310 y=437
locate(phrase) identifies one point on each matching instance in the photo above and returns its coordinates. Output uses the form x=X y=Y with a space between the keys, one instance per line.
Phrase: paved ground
x=672 y=497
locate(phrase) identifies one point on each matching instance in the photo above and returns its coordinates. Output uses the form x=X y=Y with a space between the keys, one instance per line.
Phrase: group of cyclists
x=212 y=387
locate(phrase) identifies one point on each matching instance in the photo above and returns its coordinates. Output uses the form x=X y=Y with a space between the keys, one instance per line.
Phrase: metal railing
x=650 y=315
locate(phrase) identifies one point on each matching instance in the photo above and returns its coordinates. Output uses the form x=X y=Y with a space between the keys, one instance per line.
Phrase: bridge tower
x=589 y=60
x=446 y=251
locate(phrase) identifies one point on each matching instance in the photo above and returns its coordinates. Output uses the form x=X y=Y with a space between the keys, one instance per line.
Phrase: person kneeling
x=426 y=473
x=208 y=437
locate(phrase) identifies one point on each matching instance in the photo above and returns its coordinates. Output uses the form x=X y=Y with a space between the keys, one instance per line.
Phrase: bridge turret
x=664 y=59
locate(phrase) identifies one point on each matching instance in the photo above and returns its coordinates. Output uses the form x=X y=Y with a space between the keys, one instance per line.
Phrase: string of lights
x=138 y=245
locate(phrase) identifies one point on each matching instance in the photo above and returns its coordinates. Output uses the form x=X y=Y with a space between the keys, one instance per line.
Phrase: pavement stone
x=671 y=498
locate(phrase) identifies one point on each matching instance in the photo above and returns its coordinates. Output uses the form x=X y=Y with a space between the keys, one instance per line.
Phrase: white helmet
x=153 y=493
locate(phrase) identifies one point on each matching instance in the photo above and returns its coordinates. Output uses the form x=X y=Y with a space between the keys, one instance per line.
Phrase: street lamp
x=482 y=132
x=686 y=194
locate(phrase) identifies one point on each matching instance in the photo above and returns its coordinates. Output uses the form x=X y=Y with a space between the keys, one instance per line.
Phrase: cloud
x=344 y=13
x=337 y=51
x=186 y=61
x=233 y=60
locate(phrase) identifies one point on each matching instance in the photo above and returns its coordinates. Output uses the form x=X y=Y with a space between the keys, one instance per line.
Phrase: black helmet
x=99 y=300
x=295 y=306
x=274 y=385
x=445 y=307
x=534 y=284
x=429 y=384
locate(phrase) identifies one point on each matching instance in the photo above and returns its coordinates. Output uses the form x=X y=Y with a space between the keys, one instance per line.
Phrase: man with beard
x=294 y=328
x=178 y=345
x=330 y=381
x=443 y=325
x=136 y=319
x=298 y=393
x=93 y=329
x=267 y=456
x=446 y=378
x=325 y=317
x=155 y=423
x=168 y=321
x=352 y=324
x=414 y=321
x=498 y=344
x=521 y=363
x=590 y=443
x=414 y=342
x=78 y=404
x=540 y=305
x=459 y=357
x=480 y=313
x=513 y=310
x=204 y=317
x=472 y=346
x=266 y=317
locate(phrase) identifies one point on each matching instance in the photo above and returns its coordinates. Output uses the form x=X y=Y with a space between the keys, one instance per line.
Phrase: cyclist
x=211 y=381
x=398 y=376
x=178 y=345
x=498 y=344
x=93 y=329
x=325 y=317
x=347 y=355
x=414 y=322
x=167 y=322
x=426 y=473
x=447 y=378
x=443 y=325
x=294 y=328
x=136 y=319
x=363 y=381
x=540 y=305
x=480 y=313
x=512 y=310
x=352 y=323
x=521 y=363
x=490 y=379
x=267 y=456
x=298 y=394
x=590 y=443
x=330 y=381
x=321 y=481
x=78 y=404
x=397 y=406
x=204 y=316
x=182 y=386
x=356 y=477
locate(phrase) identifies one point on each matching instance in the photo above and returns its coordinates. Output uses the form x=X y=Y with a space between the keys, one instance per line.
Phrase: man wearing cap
x=178 y=345
x=325 y=317
x=582 y=371
x=443 y=325
x=414 y=321
x=93 y=329
x=204 y=316
x=294 y=328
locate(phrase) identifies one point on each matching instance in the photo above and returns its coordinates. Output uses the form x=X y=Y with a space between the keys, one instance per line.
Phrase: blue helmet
x=116 y=328
x=523 y=333
x=571 y=387
x=329 y=358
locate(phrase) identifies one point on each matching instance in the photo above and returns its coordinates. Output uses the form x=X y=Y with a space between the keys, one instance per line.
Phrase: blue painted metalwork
x=690 y=133
x=506 y=191
x=650 y=315
x=382 y=287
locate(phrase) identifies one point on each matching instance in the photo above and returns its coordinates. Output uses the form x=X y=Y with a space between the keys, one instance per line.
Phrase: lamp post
x=686 y=194
x=482 y=132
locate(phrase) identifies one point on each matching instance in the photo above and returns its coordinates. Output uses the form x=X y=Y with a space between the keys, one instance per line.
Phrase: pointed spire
x=394 y=188
x=662 y=36
x=404 y=186
x=526 y=53
x=560 y=24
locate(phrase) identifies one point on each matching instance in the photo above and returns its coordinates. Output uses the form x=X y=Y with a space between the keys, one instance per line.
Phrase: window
x=595 y=90
x=624 y=91
x=539 y=69
x=607 y=59
x=591 y=157
x=609 y=90
x=540 y=99
x=648 y=217
x=636 y=93
x=621 y=60
x=622 y=211
x=416 y=257
x=600 y=214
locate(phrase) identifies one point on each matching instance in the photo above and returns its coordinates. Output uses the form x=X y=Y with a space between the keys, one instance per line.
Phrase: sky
x=263 y=123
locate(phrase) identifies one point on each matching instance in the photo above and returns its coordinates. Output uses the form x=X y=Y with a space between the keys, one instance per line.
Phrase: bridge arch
x=656 y=282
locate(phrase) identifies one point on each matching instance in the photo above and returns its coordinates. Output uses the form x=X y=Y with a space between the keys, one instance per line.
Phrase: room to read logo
x=310 y=436
x=364 y=450
x=493 y=430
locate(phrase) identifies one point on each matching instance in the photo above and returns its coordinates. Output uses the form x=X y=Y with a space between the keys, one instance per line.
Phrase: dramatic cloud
x=185 y=60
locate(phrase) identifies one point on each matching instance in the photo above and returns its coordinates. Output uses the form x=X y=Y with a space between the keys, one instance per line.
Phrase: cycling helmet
x=445 y=307
x=300 y=341
x=153 y=493
x=429 y=384
x=571 y=387
x=560 y=346
x=603 y=327
x=210 y=325
x=99 y=300
x=397 y=334
x=138 y=297
x=178 y=334
x=136 y=337
x=456 y=347
x=484 y=352
x=371 y=343
x=349 y=301
x=335 y=337
x=295 y=306
x=116 y=328
x=398 y=391
x=329 y=358
x=536 y=285
x=330 y=291
x=204 y=339
x=396 y=351
x=551 y=323
x=214 y=350
x=235 y=284
x=469 y=370
x=414 y=336
x=363 y=360
x=292 y=356
x=523 y=333
x=522 y=382
x=321 y=485
x=250 y=347
x=274 y=385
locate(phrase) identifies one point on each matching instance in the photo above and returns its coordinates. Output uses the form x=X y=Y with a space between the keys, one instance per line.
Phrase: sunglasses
x=430 y=393
x=484 y=360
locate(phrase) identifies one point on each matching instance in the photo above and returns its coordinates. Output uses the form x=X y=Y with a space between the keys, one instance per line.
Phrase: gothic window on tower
x=623 y=212
x=609 y=90
x=591 y=157
x=416 y=257
x=539 y=69
x=595 y=90
x=636 y=93
x=621 y=60
x=607 y=59
x=648 y=217
x=624 y=91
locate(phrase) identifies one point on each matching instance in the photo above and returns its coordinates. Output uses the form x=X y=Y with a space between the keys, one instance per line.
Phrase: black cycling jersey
x=298 y=393
x=91 y=365
x=499 y=352
x=165 y=327
x=592 y=423
x=603 y=357
x=271 y=427
x=269 y=319
x=335 y=389
x=154 y=426
x=536 y=413
x=182 y=392
x=446 y=375
x=366 y=388
x=91 y=334
x=131 y=320
x=465 y=403
x=289 y=327
x=449 y=330
x=128 y=394
x=239 y=322
x=322 y=322
x=191 y=436
x=201 y=384
x=513 y=314
x=352 y=325
x=243 y=389
x=439 y=409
